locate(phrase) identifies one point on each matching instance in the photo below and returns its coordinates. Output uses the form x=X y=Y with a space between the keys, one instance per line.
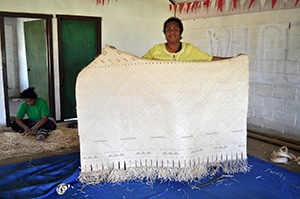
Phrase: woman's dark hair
x=173 y=19
x=28 y=93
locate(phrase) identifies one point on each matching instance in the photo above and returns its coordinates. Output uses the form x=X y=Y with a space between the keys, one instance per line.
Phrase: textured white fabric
x=141 y=118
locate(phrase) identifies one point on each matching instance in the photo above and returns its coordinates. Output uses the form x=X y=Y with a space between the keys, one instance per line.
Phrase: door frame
x=49 y=46
x=98 y=21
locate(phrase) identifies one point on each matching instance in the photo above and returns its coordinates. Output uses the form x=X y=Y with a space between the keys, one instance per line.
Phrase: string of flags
x=103 y=2
x=219 y=4
x=194 y=5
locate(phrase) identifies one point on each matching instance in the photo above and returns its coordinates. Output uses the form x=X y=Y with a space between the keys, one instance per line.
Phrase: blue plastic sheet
x=39 y=178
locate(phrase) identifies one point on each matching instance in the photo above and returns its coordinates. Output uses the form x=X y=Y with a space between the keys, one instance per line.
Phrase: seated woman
x=37 y=111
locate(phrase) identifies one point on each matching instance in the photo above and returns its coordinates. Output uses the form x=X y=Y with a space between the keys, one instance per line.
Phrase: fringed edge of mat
x=164 y=174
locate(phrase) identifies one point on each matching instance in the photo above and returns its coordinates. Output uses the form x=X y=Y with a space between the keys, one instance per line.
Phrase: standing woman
x=37 y=122
x=174 y=49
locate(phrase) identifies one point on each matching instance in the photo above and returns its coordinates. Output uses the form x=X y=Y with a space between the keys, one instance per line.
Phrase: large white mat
x=152 y=119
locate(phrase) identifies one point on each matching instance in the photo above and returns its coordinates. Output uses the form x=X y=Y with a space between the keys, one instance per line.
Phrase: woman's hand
x=20 y=122
x=33 y=130
x=29 y=132
x=39 y=124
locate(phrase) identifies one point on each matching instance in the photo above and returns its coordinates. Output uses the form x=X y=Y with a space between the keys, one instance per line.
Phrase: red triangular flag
x=175 y=8
x=195 y=5
x=220 y=5
x=103 y=2
x=188 y=5
x=181 y=7
x=273 y=3
x=234 y=4
x=296 y=2
x=251 y=3
x=206 y=3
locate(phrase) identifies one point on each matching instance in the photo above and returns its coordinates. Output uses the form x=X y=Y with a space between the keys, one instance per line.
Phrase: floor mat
x=40 y=178
x=14 y=144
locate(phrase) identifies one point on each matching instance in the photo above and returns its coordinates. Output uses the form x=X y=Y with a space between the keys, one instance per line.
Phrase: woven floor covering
x=145 y=119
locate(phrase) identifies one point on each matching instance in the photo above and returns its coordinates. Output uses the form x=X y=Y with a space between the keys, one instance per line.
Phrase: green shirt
x=188 y=52
x=36 y=112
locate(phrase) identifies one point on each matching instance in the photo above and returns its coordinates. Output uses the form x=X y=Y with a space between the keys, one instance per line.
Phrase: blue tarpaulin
x=39 y=178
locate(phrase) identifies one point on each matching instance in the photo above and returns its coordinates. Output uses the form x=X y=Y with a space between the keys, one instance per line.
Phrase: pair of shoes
x=40 y=137
x=42 y=134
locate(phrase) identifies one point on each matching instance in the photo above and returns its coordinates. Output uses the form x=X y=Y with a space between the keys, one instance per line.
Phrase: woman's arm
x=216 y=58
x=20 y=122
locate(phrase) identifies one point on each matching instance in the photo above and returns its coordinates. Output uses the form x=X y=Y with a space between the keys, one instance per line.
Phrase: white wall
x=272 y=41
x=130 y=25
x=11 y=57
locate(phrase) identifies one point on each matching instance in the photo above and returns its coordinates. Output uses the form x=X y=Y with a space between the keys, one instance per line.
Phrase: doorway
x=79 y=40
x=26 y=46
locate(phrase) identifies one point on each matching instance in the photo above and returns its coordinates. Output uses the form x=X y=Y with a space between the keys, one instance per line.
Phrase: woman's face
x=173 y=32
x=30 y=101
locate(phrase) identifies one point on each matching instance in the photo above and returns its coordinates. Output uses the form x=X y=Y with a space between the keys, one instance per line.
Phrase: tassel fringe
x=164 y=174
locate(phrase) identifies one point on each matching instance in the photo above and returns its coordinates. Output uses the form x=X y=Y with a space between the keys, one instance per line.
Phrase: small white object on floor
x=62 y=188
x=283 y=156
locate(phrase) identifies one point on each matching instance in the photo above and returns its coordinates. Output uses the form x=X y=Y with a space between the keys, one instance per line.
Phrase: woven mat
x=14 y=144
x=151 y=119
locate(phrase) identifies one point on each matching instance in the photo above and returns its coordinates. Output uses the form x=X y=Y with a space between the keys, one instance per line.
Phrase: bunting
x=251 y=3
x=181 y=6
x=206 y=3
x=188 y=5
x=234 y=4
x=193 y=6
x=175 y=8
x=273 y=3
x=103 y=2
x=220 y=5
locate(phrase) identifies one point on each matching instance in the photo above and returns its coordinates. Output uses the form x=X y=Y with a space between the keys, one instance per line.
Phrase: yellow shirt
x=188 y=52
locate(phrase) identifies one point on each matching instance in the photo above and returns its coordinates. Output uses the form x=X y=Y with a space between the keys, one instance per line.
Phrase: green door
x=36 y=55
x=78 y=47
